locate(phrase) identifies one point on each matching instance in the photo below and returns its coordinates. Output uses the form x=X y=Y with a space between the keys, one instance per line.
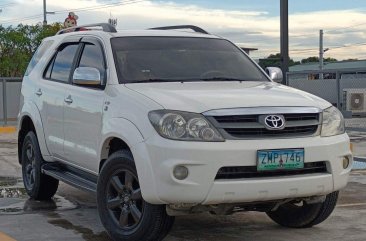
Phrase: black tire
x=37 y=185
x=128 y=216
x=305 y=216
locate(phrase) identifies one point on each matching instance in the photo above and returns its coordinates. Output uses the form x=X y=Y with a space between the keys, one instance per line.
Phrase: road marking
x=4 y=237
x=7 y=129
x=352 y=205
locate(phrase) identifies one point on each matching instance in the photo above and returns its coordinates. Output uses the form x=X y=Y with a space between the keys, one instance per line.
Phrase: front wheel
x=303 y=215
x=122 y=210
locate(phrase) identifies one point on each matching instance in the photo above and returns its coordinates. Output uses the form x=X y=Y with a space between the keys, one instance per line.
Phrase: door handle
x=68 y=99
x=39 y=92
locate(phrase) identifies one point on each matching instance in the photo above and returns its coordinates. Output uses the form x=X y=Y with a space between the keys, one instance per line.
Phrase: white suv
x=160 y=123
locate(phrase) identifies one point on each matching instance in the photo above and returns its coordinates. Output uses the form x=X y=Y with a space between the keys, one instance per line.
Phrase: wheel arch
x=129 y=137
x=117 y=134
x=111 y=145
x=29 y=119
x=26 y=125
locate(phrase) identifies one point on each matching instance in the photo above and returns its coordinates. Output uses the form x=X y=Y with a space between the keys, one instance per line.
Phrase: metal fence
x=9 y=96
x=345 y=89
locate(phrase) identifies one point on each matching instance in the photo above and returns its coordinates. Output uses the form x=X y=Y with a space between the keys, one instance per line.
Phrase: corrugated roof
x=331 y=65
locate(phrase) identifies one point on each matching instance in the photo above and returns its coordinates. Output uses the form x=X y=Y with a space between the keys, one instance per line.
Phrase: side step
x=71 y=175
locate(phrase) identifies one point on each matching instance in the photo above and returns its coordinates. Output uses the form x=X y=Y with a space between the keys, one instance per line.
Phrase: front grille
x=252 y=126
x=236 y=119
x=288 y=132
x=242 y=172
x=300 y=117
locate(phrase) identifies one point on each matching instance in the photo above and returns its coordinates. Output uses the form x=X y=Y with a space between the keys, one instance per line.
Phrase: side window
x=47 y=74
x=92 y=56
x=60 y=66
x=38 y=55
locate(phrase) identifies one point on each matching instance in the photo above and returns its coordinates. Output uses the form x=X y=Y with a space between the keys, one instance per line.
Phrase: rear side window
x=60 y=66
x=38 y=55
x=92 y=56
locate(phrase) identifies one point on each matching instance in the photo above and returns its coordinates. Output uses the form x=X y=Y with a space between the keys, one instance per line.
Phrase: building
x=347 y=68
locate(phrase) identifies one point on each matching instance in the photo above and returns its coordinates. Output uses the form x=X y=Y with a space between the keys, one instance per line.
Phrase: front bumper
x=156 y=157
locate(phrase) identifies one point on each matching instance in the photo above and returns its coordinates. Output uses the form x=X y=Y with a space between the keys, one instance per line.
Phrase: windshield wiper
x=222 y=79
x=163 y=80
x=185 y=80
x=154 y=80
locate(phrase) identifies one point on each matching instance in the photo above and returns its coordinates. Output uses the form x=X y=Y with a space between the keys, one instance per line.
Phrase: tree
x=274 y=60
x=315 y=59
x=18 y=44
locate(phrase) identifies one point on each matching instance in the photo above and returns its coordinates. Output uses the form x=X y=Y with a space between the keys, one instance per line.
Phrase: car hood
x=203 y=96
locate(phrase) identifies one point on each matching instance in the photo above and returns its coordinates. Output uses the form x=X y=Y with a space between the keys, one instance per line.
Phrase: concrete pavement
x=73 y=215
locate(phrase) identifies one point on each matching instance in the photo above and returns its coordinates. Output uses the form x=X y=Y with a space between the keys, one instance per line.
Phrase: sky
x=246 y=22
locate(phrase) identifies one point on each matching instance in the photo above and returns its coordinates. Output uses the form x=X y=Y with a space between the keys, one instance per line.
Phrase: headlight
x=183 y=126
x=333 y=122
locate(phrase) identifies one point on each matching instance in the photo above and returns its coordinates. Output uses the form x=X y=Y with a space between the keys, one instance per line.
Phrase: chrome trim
x=263 y=111
x=260 y=113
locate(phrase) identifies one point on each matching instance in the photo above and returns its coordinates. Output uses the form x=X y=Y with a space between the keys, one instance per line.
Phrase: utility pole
x=321 y=53
x=285 y=58
x=44 y=13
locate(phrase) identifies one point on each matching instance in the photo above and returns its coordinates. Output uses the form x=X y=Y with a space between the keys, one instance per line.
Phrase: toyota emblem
x=274 y=122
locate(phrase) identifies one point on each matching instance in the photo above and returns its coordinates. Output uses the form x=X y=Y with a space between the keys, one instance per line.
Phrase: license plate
x=284 y=159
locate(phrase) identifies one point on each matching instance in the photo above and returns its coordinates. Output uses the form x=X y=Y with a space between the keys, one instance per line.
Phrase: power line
x=278 y=38
x=7 y=5
x=100 y=6
x=110 y=5
x=22 y=19
x=344 y=28
x=348 y=46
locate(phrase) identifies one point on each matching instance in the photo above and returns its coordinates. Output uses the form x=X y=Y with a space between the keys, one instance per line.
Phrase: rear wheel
x=123 y=211
x=38 y=185
x=303 y=215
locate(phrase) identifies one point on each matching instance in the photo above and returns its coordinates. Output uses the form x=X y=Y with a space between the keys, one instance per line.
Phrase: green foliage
x=274 y=60
x=315 y=59
x=18 y=44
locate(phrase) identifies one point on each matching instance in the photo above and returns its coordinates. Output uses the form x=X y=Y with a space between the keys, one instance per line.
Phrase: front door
x=83 y=112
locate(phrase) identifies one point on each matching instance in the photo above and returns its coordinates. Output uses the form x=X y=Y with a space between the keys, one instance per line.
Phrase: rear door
x=51 y=92
x=84 y=111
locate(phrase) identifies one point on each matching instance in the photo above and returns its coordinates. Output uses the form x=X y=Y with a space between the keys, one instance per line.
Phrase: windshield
x=173 y=59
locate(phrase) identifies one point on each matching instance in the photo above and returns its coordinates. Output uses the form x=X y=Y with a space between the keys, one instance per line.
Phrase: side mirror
x=86 y=76
x=275 y=74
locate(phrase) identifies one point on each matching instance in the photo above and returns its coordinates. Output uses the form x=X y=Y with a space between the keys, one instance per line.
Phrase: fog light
x=180 y=172
x=345 y=162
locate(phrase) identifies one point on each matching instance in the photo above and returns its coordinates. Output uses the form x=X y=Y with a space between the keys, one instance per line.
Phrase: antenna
x=112 y=21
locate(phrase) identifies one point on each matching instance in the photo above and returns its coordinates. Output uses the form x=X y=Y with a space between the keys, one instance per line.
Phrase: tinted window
x=38 y=55
x=47 y=74
x=178 y=59
x=92 y=56
x=63 y=63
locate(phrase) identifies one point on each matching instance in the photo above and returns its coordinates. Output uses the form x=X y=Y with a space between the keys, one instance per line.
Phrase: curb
x=7 y=129
x=4 y=237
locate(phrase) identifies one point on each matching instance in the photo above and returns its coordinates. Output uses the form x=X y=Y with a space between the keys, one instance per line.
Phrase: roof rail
x=194 y=28
x=105 y=26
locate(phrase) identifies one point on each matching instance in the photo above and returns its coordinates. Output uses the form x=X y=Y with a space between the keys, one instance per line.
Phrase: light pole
x=321 y=53
x=285 y=58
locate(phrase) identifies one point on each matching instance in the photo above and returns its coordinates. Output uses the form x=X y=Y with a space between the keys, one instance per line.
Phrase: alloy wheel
x=124 y=200
x=30 y=166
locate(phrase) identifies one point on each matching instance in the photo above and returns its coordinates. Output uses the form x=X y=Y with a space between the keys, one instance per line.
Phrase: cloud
x=252 y=28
